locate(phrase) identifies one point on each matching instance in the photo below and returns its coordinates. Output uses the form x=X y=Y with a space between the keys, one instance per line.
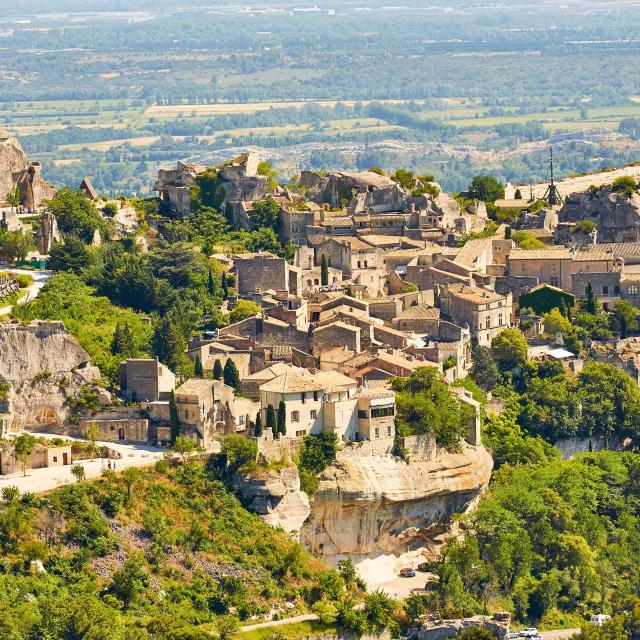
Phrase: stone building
x=118 y=429
x=146 y=380
x=420 y=318
x=256 y=272
x=485 y=312
x=336 y=334
x=349 y=255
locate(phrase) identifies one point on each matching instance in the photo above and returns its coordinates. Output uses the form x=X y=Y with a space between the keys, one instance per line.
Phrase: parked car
x=599 y=619
x=407 y=572
x=424 y=566
x=513 y=634
x=530 y=632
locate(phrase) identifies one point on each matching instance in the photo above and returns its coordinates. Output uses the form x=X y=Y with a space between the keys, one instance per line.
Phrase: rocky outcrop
x=275 y=496
x=43 y=364
x=616 y=215
x=237 y=180
x=368 y=190
x=379 y=504
x=17 y=170
x=442 y=629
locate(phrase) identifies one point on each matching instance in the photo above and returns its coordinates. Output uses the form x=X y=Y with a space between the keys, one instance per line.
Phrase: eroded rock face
x=43 y=364
x=276 y=497
x=379 y=193
x=382 y=505
x=616 y=215
x=17 y=170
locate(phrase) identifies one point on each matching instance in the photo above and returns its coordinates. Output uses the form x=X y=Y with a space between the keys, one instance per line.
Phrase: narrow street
x=39 y=280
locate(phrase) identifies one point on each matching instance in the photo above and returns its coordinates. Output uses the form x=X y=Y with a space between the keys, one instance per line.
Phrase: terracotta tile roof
x=195 y=387
x=473 y=294
x=558 y=253
x=338 y=324
x=621 y=249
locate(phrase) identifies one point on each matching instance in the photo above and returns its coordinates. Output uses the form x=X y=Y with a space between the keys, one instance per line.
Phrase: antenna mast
x=552 y=195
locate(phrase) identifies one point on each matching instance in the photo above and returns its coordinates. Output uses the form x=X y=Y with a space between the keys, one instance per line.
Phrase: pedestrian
x=109 y=464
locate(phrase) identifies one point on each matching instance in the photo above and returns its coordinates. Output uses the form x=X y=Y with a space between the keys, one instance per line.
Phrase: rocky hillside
x=380 y=504
x=41 y=364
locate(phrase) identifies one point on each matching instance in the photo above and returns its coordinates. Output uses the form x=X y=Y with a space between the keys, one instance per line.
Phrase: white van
x=599 y=619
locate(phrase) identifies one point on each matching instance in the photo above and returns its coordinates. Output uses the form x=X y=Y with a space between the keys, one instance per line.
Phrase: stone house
x=330 y=402
x=42 y=457
x=256 y=272
x=203 y=407
x=294 y=217
x=349 y=254
x=485 y=312
x=146 y=380
x=118 y=429
x=336 y=334
x=421 y=319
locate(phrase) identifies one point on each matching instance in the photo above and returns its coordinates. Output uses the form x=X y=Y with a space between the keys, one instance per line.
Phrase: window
x=605 y=290
x=381 y=412
x=389 y=430
x=303 y=397
x=301 y=433
x=315 y=396
x=55 y=458
x=295 y=416
x=241 y=419
x=362 y=413
x=377 y=432
x=616 y=290
x=632 y=290
x=554 y=281
x=313 y=414
x=499 y=319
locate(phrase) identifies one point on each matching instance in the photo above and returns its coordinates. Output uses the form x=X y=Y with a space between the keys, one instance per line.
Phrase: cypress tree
x=282 y=418
x=257 y=427
x=518 y=194
x=211 y=288
x=217 y=370
x=225 y=287
x=198 y=370
x=590 y=303
x=127 y=340
x=230 y=374
x=324 y=271
x=271 y=419
x=116 y=341
x=174 y=423
x=167 y=342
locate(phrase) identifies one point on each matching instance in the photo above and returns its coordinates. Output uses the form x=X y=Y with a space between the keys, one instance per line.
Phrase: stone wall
x=113 y=430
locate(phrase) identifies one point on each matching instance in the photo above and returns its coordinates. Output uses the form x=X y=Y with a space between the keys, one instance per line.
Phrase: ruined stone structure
x=17 y=171
x=47 y=233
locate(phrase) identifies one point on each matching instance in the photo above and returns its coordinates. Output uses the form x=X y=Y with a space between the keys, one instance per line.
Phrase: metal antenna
x=552 y=195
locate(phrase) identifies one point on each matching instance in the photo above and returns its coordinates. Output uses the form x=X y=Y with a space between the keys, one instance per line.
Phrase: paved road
x=39 y=480
x=559 y=635
x=278 y=623
x=39 y=280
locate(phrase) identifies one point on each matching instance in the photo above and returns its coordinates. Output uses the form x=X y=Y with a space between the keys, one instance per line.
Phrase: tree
x=282 y=418
x=230 y=375
x=76 y=214
x=244 y=309
x=555 y=322
x=510 y=347
x=168 y=342
x=217 y=370
x=72 y=255
x=130 y=476
x=257 y=425
x=92 y=433
x=625 y=317
x=197 y=369
x=227 y=626
x=13 y=197
x=271 y=419
x=15 y=245
x=265 y=213
x=486 y=188
x=23 y=447
x=130 y=582
x=239 y=450
x=518 y=194
x=211 y=288
x=174 y=423
x=590 y=303
x=324 y=271
x=78 y=472
x=484 y=370
x=185 y=447
x=225 y=287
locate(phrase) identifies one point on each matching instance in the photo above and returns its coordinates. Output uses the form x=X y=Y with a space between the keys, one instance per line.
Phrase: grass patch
x=293 y=630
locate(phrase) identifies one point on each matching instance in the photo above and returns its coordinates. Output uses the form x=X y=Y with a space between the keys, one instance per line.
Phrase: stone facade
x=143 y=379
x=118 y=429
x=257 y=272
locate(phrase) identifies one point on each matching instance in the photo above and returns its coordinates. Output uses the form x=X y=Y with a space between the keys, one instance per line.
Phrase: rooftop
x=473 y=294
x=196 y=387
x=419 y=312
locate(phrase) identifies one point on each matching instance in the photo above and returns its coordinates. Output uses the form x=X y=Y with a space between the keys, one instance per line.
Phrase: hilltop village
x=346 y=350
